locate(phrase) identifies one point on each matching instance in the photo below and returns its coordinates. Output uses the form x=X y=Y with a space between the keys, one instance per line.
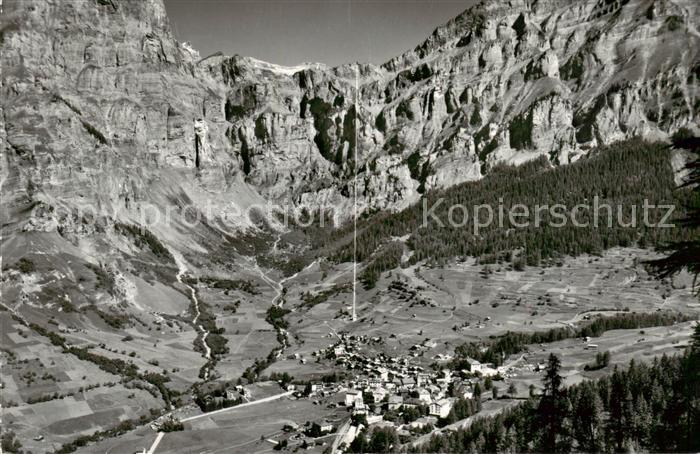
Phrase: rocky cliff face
x=105 y=113
x=504 y=81
x=101 y=103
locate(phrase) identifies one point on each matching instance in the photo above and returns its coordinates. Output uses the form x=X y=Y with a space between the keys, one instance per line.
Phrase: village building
x=379 y=393
x=395 y=402
x=423 y=379
x=483 y=369
x=319 y=428
x=412 y=403
x=408 y=383
x=424 y=395
x=441 y=408
x=374 y=419
x=423 y=422
x=359 y=408
x=446 y=378
x=351 y=396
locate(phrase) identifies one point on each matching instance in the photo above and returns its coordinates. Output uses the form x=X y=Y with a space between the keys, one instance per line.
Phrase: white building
x=351 y=396
x=441 y=408
x=483 y=369
x=422 y=422
x=424 y=395
x=395 y=402
x=359 y=408
x=373 y=419
x=379 y=393
x=446 y=378
x=408 y=383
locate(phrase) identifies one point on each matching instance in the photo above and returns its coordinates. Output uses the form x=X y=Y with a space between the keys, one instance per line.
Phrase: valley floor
x=417 y=314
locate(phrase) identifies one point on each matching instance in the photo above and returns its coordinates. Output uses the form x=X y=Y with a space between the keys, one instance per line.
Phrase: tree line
x=621 y=175
x=500 y=347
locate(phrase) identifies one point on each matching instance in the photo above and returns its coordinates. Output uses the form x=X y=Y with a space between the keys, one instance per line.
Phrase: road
x=236 y=407
x=342 y=430
x=160 y=435
x=156 y=442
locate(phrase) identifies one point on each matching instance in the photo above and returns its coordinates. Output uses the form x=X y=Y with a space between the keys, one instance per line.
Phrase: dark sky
x=289 y=32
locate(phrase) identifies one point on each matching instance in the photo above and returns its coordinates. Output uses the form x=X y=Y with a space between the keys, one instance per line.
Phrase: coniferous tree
x=552 y=411
x=616 y=174
x=647 y=407
x=692 y=392
x=588 y=419
x=616 y=419
x=642 y=421
x=685 y=254
x=552 y=380
x=359 y=444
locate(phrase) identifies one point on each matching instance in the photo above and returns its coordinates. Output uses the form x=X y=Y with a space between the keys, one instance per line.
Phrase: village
x=392 y=392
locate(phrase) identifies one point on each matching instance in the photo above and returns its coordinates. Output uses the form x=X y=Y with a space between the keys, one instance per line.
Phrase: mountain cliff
x=504 y=81
x=102 y=107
